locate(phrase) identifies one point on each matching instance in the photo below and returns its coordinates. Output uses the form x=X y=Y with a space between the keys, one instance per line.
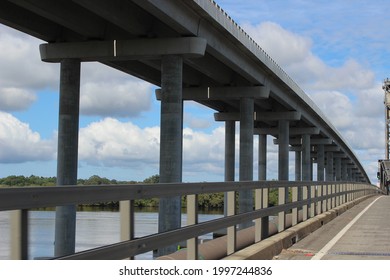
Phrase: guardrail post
x=319 y=203
x=265 y=220
x=231 y=231
x=192 y=219
x=333 y=197
x=126 y=209
x=281 y=215
x=19 y=234
x=324 y=199
x=304 y=207
x=294 y=219
x=312 y=205
x=258 y=205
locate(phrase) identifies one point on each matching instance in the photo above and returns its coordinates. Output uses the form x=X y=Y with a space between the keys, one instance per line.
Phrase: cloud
x=20 y=144
x=126 y=99
x=22 y=72
x=293 y=52
x=104 y=90
x=336 y=106
x=107 y=92
x=348 y=94
x=354 y=118
x=16 y=99
x=110 y=142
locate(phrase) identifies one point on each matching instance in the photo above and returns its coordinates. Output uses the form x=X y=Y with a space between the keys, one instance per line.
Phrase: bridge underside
x=193 y=51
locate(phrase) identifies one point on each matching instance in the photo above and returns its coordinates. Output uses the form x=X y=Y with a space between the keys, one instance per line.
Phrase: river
x=93 y=229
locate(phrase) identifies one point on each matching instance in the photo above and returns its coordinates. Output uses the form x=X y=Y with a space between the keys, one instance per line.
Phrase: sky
x=336 y=51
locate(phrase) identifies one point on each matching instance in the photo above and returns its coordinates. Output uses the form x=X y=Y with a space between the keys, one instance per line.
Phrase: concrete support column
x=337 y=162
x=230 y=148
x=262 y=177
x=349 y=173
x=284 y=134
x=171 y=142
x=306 y=158
x=344 y=170
x=67 y=153
x=262 y=157
x=246 y=153
x=298 y=165
x=320 y=163
x=329 y=166
x=306 y=172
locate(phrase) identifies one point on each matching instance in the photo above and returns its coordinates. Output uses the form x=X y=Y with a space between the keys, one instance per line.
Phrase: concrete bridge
x=192 y=50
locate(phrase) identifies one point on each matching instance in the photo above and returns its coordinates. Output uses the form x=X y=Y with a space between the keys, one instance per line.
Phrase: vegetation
x=205 y=201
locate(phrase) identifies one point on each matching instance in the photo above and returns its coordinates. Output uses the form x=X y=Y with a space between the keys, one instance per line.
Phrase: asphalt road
x=360 y=233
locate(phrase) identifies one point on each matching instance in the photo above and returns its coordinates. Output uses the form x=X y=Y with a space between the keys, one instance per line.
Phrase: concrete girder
x=123 y=49
x=221 y=93
x=72 y=16
x=260 y=116
x=32 y=24
x=293 y=131
x=314 y=141
x=121 y=14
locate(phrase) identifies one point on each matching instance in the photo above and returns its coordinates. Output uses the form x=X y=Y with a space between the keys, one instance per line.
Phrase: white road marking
x=321 y=253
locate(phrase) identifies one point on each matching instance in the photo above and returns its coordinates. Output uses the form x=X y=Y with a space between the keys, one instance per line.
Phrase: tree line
x=205 y=201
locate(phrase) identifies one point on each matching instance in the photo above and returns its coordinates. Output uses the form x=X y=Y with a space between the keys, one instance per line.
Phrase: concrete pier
x=171 y=143
x=283 y=164
x=320 y=163
x=68 y=133
x=246 y=152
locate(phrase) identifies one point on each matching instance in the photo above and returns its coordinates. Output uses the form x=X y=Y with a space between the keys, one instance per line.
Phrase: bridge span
x=194 y=51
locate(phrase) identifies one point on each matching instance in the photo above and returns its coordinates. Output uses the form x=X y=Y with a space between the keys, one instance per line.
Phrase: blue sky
x=334 y=50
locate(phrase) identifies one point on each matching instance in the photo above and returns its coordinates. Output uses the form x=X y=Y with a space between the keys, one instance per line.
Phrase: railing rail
x=317 y=197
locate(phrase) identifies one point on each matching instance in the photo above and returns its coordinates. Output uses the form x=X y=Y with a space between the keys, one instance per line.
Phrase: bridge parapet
x=323 y=197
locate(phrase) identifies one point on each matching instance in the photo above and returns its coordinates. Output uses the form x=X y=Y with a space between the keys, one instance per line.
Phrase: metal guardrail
x=317 y=197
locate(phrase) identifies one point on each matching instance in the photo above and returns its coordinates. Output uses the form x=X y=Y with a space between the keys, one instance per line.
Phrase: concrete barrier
x=266 y=249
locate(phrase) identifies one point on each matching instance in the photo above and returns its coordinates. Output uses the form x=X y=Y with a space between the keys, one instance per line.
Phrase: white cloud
x=108 y=92
x=21 y=67
x=20 y=144
x=294 y=54
x=126 y=99
x=348 y=94
x=336 y=106
x=16 y=99
x=110 y=142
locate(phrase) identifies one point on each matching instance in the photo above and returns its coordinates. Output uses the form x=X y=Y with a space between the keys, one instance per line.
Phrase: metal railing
x=316 y=198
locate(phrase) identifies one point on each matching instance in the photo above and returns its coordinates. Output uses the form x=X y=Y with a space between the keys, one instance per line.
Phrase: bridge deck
x=357 y=234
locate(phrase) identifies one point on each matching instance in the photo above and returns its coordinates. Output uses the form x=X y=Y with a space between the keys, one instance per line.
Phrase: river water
x=93 y=229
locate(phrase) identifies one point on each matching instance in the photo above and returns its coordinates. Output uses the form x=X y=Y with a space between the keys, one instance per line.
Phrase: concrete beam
x=123 y=49
x=276 y=116
x=293 y=131
x=260 y=116
x=221 y=93
x=314 y=142
x=332 y=149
